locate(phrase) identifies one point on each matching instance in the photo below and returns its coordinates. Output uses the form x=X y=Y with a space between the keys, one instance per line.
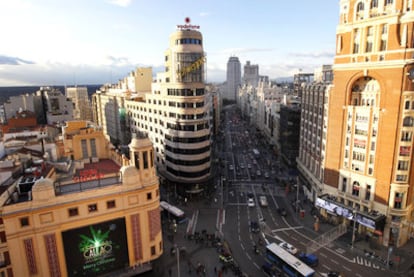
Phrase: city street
x=245 y=174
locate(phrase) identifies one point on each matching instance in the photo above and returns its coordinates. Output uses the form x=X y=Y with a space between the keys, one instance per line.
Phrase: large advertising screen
x=96 y=249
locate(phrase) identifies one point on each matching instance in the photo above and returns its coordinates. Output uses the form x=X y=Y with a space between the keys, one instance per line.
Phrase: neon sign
x=192 y=67
x=187 y=25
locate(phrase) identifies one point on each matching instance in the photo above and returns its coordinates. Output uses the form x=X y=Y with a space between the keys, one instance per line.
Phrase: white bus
x=286 y=262
x=173 y=212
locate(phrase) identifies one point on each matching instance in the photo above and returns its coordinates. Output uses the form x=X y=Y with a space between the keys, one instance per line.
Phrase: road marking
x=286 y=229
x=328 y=268
x=334 y=261
x=340 y=250
x=346 y=268
x=359 y=260
x=367 y=263
x=257 y=266
x=248 y=256
x=323 y=255
x=359 y=275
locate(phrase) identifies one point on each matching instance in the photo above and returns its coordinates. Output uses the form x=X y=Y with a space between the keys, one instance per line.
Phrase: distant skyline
x=68 y=42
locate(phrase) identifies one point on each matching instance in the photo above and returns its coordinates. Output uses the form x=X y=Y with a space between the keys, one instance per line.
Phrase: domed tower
x=142 y=158
x=184 y=156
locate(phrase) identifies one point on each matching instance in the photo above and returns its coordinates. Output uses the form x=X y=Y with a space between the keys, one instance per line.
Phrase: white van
x=263 y=201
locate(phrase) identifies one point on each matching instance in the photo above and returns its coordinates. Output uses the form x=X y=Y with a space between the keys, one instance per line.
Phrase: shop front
x=370 y=225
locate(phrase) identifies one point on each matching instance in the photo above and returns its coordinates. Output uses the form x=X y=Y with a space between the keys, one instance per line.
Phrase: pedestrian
x=215 y=270
x=169 y=272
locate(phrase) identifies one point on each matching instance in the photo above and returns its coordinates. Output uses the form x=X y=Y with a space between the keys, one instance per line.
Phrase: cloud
x=121 y=3
x=13 y=60
x=236 y=51
x=316 y=54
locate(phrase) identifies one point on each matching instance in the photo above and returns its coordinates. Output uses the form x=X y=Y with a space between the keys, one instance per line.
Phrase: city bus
x=286 y=262
x=172 y=212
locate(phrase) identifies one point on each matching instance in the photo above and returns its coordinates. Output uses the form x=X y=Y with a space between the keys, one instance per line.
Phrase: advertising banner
x=96 y=249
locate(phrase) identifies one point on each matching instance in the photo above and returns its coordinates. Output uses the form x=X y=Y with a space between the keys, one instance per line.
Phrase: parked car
x=263 y=201
x=250 y=202
x=254 y=227
x=289 y=247
x=309 y=259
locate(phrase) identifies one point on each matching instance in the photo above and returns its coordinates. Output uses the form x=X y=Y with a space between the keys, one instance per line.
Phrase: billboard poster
x=96 y=249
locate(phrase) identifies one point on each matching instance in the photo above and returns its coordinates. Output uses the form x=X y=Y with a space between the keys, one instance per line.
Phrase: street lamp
x=388 y=256
x=178 y=262
x=353 y=229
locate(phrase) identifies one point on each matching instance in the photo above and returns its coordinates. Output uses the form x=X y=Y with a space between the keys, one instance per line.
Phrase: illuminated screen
x=96 y=249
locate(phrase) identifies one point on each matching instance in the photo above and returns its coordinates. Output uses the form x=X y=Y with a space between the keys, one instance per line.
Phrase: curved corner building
x=183 y=149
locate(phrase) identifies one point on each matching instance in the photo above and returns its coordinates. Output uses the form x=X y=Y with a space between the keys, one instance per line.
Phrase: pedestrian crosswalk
x=366 y=262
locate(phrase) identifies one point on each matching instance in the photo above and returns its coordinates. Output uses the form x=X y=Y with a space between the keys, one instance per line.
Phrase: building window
x=92 y=208
x=384 y=34
x=368 y=47
x=3 y=237
x=398 y=199
x=405 y=151
x=403 y=165
x=73 y=212
x=84 y=149
x=344 y=180
x=406 y=136
x=368 y=193
x=93 y=148
x=24 y=221
x=145 y=159
x=407 y=105
x=153 y=252
x=356 y=41
x=360 y=7
x=355 y=189
x=374 y=4
x=401 y=178
x=389 y=2
x=408 y=121
x=110 y=204
x=136 y=160
x=149 y=196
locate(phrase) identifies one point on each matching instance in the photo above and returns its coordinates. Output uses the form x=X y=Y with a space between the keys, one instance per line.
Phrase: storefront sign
x=338 y=210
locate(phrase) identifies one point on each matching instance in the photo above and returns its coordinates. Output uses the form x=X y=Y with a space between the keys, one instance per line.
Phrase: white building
x=48 y=103
x=233 y=78
x=81 y=104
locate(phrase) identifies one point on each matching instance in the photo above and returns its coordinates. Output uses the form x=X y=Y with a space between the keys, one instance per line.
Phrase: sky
x=70 y=42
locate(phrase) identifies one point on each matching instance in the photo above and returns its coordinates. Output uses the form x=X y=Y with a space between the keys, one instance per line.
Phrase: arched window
x=408 y=121
x=360 y=7
x=374 y=4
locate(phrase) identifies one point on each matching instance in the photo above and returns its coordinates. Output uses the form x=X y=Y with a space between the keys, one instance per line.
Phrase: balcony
x=398 y=212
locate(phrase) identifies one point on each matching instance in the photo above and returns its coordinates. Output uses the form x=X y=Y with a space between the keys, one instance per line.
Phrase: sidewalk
x=402 y=257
